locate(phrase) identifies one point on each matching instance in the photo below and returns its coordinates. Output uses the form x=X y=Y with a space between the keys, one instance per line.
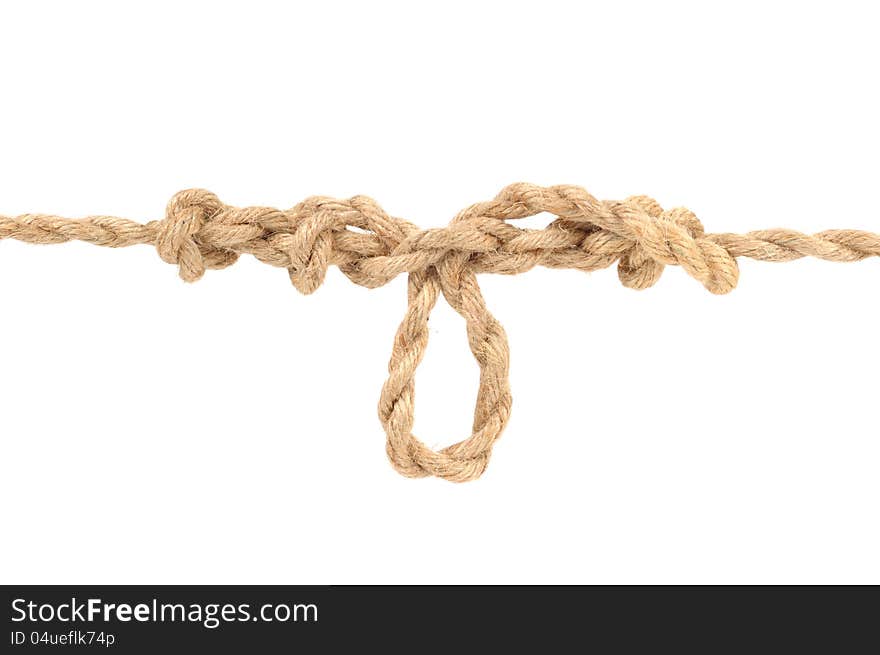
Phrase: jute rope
x=200 y=232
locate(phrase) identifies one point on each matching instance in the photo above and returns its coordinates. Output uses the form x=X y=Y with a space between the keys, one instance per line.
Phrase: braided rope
x=199 y=232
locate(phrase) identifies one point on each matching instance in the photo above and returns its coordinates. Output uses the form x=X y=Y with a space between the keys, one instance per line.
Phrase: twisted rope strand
x=199 y=232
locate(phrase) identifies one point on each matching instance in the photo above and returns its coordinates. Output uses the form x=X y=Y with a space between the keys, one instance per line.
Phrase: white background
x=226 y=432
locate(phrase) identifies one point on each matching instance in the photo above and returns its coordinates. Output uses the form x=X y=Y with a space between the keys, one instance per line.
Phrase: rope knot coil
x=179 y=240
x=675 y=236
x=199 y=232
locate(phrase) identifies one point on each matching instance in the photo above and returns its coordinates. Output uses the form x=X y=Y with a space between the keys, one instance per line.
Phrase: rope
x=199 y=232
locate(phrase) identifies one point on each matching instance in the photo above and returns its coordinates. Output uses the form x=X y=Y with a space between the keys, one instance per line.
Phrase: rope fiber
x=199 y=232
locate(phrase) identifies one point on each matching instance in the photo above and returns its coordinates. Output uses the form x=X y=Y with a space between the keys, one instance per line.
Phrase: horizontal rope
x=371 y=247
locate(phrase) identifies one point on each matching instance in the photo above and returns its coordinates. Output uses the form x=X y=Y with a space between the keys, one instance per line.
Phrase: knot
x=674 y=236
x=372 y=248
x=178 y=240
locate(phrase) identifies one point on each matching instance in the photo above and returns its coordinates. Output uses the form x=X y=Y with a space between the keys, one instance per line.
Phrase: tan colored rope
x=200 y=232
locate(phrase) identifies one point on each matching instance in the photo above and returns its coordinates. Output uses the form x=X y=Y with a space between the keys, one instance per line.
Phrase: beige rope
x=199 y=232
